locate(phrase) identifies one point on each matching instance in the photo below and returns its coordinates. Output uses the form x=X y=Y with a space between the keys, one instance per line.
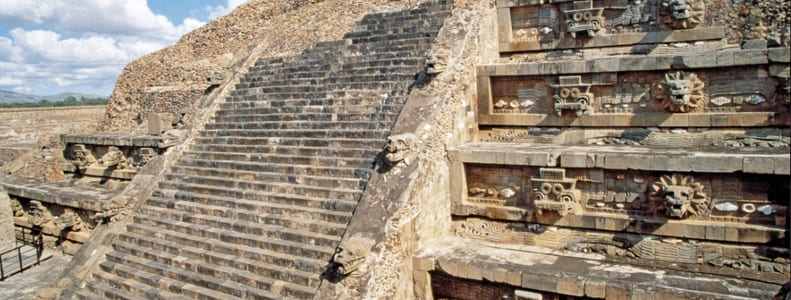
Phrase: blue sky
x=53 y=46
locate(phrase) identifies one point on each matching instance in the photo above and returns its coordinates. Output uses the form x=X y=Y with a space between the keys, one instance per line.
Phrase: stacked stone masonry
x=624 y=150
x=258 y=203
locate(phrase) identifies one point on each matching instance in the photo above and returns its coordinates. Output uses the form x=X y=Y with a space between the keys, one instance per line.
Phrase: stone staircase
x=257 y=205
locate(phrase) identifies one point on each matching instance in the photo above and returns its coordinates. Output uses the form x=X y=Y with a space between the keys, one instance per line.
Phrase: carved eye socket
x=685 y=194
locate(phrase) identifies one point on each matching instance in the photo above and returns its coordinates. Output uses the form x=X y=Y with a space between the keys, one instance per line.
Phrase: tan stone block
x=640 y=294
x=664 y=62
x=571 y=67
x=696 y=61
x=474 y=271
x=778 y=70
x=725 y=58
x=716 y=164
x=617 y=161
x=783 y=165
x=423 y=263
x=715 y=233
x=698 y=120
x=595 y=289
x=782 y=55
x=758 y=165
x=731 y=234
x=538 y=159
x=676 y=120
x=607 y=65
x=617 y=293
x=513 y=278
x=750 y=57
x=540 y=282
x=571 y=286
x=449 y=267
x=574 y=160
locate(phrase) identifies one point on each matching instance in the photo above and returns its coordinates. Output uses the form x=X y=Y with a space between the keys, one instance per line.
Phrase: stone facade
x=624 y=133
x=598 y=149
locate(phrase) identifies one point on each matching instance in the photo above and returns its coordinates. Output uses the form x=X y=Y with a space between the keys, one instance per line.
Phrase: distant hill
x=7 y=97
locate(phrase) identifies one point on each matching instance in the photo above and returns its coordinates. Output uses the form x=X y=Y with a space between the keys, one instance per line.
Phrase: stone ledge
x=118 y=140
x=664 y=120
x=56 y=193
x=623 y=39
x=581 y=275
x=622 y=158
x=714 y=59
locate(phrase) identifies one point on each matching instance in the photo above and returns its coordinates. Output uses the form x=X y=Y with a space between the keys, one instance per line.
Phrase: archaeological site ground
x=488 y=149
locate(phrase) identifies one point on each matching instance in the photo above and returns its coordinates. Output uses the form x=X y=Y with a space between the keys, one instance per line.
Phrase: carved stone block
x=536 y=25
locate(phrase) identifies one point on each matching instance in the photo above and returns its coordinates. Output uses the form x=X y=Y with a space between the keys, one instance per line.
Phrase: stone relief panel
x=53 y=219
x=118 y=162
x=682 y=14
x=571 y=24
x=495 y=186
x=582 y=100
x=546 y=194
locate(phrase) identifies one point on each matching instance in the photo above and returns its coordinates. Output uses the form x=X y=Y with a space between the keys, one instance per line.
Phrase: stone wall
x=6 y=222
x=174 y=78
x=412 y=198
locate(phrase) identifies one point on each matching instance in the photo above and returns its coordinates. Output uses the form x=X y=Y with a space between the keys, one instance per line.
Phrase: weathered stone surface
x=7 y=236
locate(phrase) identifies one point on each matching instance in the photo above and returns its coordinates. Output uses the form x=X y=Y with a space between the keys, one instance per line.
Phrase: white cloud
x=221 y=10
x=121 y=17
x=10 y=81
x=79 y=43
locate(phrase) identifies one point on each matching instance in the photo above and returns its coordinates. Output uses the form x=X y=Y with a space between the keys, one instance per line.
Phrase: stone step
x=376 y=98
x=342 y=205
x=189 y=245
x=313 y=109
x=260 y=76
x=299 y=133
x=254 y=94
x=343 y=101
x=418 y=48
x=284 y=92
x=291 y=88
x=329 y=161
x=302 y=224
x=266 y=77
x=98 y=288
x=289 y=150
x=392 y=65
x=436 y=12
x=274 y=60
x=384 y=86
x=305 y=142
x=246 y=116
x=241 y=238
x=298 y=66
x=426 y=24
x=344 y=183
x=353 y=57
x=376 y=74
x=319 y=214
x=383 y=44
x=130 y=282
x=420 y=28
x=300 y=125
x=406 y=37
x=201 y=280
x=171 y=253
x=275 y=80
x=206 y=183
